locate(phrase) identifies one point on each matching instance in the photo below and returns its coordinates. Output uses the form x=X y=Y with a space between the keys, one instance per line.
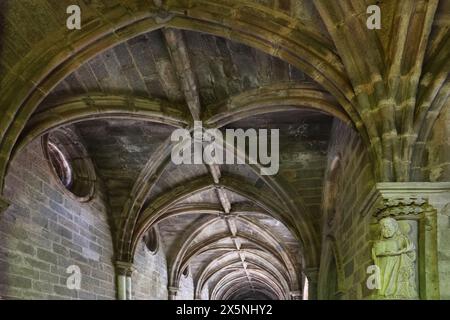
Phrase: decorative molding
x=388 y=195
x=396 y=207
x=413 y=187
x=173 y=290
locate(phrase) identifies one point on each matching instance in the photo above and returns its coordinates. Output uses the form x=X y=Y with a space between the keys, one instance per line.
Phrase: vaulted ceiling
x=132 y=76
x=223 y=221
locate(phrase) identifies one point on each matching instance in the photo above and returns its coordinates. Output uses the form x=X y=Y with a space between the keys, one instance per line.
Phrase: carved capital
x=296 y=295
x=403 y=200
x=173 y=290
x=124 y=268
x=411 y=207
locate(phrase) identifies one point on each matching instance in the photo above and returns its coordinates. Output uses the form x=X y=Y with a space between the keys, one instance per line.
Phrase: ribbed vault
x=140 y=69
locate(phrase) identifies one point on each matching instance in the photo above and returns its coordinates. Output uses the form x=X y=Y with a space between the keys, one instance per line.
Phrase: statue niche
x=395 y=254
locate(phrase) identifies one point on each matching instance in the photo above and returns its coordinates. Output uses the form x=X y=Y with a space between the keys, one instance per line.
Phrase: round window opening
x=70 y=163
x=151 y=240
x=186 y=272
x=60 y=164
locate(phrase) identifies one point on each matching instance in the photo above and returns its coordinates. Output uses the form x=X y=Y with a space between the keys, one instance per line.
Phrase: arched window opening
x=186 y=272
x=70 y=163
x=60 y=164
x=151 y=240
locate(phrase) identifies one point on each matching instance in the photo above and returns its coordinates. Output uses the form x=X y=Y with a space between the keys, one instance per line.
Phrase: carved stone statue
x=394 y=254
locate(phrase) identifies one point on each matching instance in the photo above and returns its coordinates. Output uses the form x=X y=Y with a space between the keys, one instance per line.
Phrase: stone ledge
x=399 y=190
x=389 y=188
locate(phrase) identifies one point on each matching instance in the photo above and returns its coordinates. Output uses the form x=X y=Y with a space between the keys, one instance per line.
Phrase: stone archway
x=356 y=106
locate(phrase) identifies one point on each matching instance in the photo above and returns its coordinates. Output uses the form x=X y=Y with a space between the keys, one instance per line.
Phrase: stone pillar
x=124 y=271
x=128 y=288
x=173 y=292
x=414 y=207
x=313 y=280
x=121 y=287
x=4 y=204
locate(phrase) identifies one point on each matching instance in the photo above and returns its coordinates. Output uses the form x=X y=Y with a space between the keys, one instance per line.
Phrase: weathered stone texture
x=350 y=226
x=438 y=150
x=45 y=231
x=441 y=203
x=149 y=280
x=444 y=252
x=186 y=291
x=285 y=64
x=438 y=170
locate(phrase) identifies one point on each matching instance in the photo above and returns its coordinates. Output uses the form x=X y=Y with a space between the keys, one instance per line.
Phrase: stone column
x=128 y=288
x=313 y=280
x=121 y=291
x=124 y=271
x=173 y=292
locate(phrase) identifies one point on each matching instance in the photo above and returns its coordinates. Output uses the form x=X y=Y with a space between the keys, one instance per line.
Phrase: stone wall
x=149 y=280
x=444 y=251
x=441 y=202
x=438 y=150
x=186 y=290
x=346 y=231
x=438 y=170
x=45 y=231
